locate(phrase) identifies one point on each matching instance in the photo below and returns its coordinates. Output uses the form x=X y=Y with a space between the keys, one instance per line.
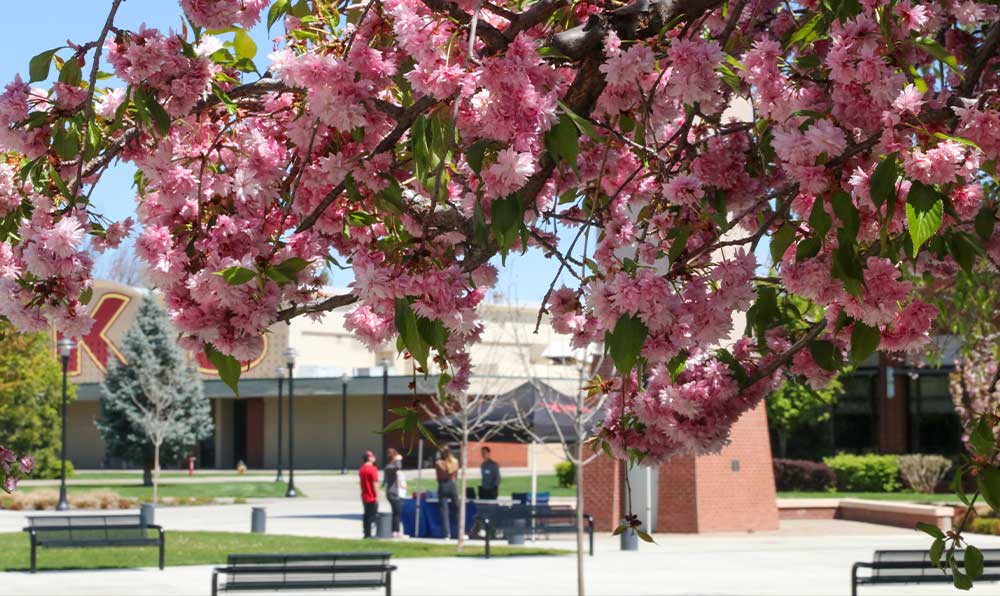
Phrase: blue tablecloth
x=430 y=518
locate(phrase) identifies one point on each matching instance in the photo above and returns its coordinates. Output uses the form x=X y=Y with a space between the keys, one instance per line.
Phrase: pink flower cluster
x=219 y=14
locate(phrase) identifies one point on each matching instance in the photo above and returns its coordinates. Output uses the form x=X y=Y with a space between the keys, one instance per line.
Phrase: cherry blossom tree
x=418 y=140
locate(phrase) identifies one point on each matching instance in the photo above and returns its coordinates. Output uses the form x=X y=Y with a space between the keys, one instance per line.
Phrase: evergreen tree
x=153 y=407
x=30 y=396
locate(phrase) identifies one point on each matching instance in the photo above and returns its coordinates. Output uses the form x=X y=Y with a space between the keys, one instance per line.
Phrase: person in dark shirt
x=392 y=477
x=369 y=492
x=489 y=488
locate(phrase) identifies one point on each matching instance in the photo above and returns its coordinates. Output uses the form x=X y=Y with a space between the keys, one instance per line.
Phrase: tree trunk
x=463 y=471
x=156 y=472
x=147 y=473
x=782 y=443
x=578 y=467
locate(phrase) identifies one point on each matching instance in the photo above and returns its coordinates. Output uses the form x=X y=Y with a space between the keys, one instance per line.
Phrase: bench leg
x=388 y=583
x=488 y=531
x=34 y=559
x=854 y=580
x=162 y=541
x=215 y=583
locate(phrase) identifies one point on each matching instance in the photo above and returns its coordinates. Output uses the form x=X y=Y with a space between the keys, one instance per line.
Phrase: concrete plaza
x=804 y=557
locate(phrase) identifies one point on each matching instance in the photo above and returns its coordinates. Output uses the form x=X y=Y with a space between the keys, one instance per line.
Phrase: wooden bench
x=538 y=520
x=305 y=571
x=914 y=567
x=85 y=531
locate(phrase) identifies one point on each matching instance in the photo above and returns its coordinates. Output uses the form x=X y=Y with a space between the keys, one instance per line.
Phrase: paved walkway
x=807 y=558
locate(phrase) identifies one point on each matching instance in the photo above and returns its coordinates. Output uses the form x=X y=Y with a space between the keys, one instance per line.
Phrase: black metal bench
x=536 y=520
x=305 y=571
x=914 y=567
x=84 y=531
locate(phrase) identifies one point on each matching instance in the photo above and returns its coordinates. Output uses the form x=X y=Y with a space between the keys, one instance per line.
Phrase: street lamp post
x=385 y=400
x=343 y=422
x=65 y=346
x=281 y=378
x=290 y=360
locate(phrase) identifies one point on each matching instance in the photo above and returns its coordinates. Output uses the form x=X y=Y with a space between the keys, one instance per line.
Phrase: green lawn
x=209 y=490
x=508 y=484
x=211 y=548
x=915 y=497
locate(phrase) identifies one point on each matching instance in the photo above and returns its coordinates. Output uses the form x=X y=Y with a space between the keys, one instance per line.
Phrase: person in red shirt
x=369 y=492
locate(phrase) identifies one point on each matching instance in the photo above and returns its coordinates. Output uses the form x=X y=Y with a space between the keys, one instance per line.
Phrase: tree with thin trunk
x=153 y=408
x=587 y=413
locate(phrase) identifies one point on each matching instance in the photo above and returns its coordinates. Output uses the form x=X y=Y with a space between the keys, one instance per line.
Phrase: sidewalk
x=807 y=558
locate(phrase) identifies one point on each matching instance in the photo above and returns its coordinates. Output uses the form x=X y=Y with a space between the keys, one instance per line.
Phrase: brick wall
x=704 y=494
x=743 y=499
x=507 y=455
x=602 y=492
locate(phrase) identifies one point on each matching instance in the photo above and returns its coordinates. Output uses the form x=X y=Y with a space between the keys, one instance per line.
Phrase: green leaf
x=409 y=333
x=38 y=67
x=360 y=218
x=679 y=239
x=70 y=73
x=988 y=482
x=291 y=267
x=985 y=220
x=645 y=537
x=86 y=296
x=228 y=367
x=474 y=155
x=625 y=342
x=808 y=32
x=508 y=217
x=433 y=333
x=726 y=357
x=67 y=142
x=781 y=240
x=236 y=275
x=932 y=530
x=963 y=250
x=847 y=213
x=582 y=123
x=982 y=439
x=924 y=209
x=279 y=276
x=819 y=219
x=932 y=47
x=277 y=10
x=563 y=142
x=883 y=180
x=937 y=548
x=808 y=248
x=864 y=342
x=244 y=45
x=974 y=564
x=825 y=354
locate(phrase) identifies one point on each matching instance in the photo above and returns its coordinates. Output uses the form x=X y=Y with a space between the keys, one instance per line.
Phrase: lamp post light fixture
x=65 y=347
x=290 y=362
x=280 y=374
x=343 y=422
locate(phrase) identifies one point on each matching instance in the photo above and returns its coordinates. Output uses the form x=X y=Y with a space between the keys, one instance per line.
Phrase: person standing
x=395 y=486
x=489 y=488
x=369 y=492
x=446 y=469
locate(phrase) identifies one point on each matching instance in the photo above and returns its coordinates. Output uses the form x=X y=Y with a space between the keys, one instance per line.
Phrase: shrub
x=801 y=475
x=566 y=474
x=923 y=473
x=865 y=473
x=984 y=525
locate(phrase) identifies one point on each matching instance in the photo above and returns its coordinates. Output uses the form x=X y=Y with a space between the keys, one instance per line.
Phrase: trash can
x=383 y=525
x=515 y=531
x=630 y=540
x=258 y=520
x=147 y=514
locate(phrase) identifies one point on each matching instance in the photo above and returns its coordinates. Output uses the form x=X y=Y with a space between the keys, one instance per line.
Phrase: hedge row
x=860 y=473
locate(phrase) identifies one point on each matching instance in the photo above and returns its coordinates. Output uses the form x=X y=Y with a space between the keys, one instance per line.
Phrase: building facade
x=246 y=428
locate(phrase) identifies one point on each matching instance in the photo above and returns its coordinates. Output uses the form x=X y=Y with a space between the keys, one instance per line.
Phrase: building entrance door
x=248 y=431
x=644 y=482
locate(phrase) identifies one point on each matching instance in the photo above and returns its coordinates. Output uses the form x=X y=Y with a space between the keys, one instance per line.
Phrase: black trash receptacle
x=258 y=520
x=383 y=525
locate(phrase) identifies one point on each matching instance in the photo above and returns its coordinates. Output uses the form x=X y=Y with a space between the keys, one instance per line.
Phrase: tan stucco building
x=246 y=428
